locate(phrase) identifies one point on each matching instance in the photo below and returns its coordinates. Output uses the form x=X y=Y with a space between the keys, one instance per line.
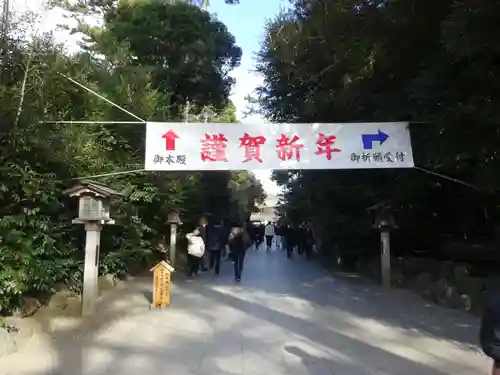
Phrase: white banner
x=200 y=146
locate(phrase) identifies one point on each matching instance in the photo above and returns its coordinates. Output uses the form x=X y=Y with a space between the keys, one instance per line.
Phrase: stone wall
x=445 y=283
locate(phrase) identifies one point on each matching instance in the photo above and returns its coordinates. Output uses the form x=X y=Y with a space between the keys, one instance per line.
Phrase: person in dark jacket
x=290 y=240
x=301 y=235
x=490 y=332
x=239 y=241
x=253 y=233
x=225 y=230
x=203 y=228
x=280 y=236
x=308 y=241
x=214 y=246
x=260 y=235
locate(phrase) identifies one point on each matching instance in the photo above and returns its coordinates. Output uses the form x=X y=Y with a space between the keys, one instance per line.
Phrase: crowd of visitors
x=211 y=242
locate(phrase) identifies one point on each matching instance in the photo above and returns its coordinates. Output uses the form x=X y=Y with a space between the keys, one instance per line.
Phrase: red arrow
x=170 y=138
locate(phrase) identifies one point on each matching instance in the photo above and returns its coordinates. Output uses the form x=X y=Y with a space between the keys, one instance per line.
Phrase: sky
x=246 y=21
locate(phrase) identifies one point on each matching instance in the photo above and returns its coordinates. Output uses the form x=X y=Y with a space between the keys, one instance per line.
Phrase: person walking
x=239 y=241
x=253 y=232
x=260 y=236
x=290 y=240
x=203 y=229
x=214 y=246
x=283 y=235
x=489 y=334
x=278 y=235
x=301 y=234
x=224 y=234
x=308 y=241
x=196 y=249
x=269 y=232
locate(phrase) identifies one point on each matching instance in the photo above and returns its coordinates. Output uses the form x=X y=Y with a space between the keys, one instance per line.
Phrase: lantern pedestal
x=173 y=220
x=385 y=240
x=91 y=269
x=173 y=242
x=385 y=223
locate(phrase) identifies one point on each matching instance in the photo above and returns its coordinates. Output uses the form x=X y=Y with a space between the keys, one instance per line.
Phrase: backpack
x=236 y=241
x=239 y=241
x=213 y=239
x=196 y=246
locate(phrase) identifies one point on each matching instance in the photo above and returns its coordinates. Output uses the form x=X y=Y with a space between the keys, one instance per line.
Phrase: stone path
x=285 y=318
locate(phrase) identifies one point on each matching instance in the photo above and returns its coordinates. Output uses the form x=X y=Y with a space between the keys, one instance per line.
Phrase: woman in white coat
x=196 y=249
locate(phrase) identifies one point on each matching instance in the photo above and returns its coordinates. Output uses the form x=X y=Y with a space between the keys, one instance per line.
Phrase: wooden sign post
x=162 y=285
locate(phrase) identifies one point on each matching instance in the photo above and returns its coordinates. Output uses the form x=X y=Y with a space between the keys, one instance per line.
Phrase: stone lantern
x=93 y=212
x=385 y=222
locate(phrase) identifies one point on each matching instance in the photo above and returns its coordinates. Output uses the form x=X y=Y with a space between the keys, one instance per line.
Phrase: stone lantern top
x=384 y=216
x=94 y=202
x=88 y=187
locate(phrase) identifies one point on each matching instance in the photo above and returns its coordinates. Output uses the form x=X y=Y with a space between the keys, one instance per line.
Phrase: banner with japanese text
x=210 y=146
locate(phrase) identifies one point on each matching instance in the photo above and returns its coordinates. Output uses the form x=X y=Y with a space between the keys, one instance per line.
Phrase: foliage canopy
x=148 y=57
x=434 y=64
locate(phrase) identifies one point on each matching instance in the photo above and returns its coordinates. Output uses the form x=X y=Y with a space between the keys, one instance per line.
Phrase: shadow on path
x=216 y=327
x=396 y=307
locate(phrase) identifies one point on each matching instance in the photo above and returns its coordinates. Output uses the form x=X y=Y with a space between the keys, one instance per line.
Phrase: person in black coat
x=203 y=229
x=301 y=238
x=253 y=232
x=290 y=239
x=225 y=229
x=260 y=234
x=308 y=241
x=490 y=332
x=214 y=245
x=239 y=241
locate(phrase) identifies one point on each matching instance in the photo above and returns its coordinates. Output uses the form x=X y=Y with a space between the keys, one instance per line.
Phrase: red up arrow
x=170 y=138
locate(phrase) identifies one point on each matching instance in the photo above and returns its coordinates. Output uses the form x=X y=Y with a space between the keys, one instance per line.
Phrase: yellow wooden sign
x=162 y=286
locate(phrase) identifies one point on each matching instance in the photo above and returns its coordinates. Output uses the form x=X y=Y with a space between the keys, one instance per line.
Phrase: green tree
x=39 y=247
x=188 y=52
x=422 y=61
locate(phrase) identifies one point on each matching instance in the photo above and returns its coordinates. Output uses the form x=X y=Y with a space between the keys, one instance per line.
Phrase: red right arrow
x=170 y=138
